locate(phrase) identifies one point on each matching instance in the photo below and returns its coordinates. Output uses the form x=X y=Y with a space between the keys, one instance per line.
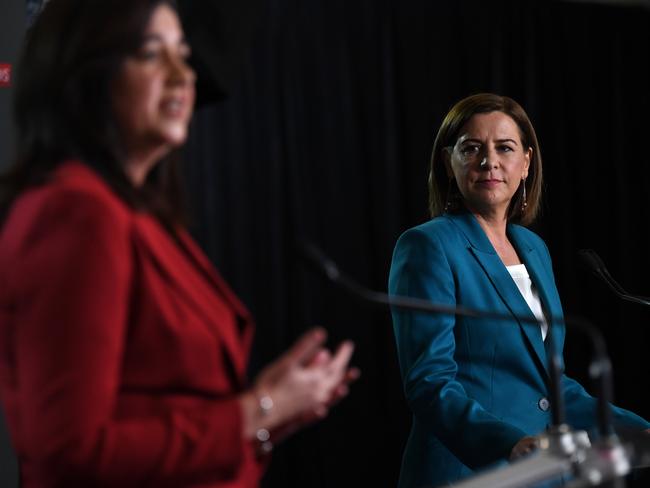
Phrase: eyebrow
x=470 y=139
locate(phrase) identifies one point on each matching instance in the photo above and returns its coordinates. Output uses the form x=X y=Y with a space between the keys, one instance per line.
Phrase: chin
x=175 y=137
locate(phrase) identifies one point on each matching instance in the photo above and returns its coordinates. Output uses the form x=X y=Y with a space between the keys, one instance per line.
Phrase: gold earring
x=524 y=202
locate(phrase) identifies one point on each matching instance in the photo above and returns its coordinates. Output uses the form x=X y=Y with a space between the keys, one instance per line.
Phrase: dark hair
x=62 y=104
x=441 y=189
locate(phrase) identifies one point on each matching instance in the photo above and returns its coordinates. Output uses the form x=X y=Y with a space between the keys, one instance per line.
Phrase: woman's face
x=488 y=162
x=153 y=95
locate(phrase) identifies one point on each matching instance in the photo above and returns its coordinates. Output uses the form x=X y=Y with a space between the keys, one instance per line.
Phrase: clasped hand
x=302 y=384
x=525 y=446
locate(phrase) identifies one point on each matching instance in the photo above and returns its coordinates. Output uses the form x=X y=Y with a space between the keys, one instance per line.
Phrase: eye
x=148 y=51
x=470 y=149
x=505 y=148
x=147 y=55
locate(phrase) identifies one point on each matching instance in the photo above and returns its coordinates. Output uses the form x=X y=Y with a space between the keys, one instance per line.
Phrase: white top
x=522 y=279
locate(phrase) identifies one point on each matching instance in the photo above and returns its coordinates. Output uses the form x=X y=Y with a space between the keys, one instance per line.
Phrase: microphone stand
x=609 y=445
x=562 y=451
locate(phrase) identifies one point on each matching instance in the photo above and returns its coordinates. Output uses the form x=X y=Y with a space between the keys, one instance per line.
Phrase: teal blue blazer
x=475 y=386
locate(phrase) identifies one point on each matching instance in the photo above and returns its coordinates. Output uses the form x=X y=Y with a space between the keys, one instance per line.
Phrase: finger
x=340 y=392
x=520 y=452
x=341 y=358
x=306 y=347
x=321 y=358
x=321 y=411
x=342 y=389
x=529 y=446
x=352 y=375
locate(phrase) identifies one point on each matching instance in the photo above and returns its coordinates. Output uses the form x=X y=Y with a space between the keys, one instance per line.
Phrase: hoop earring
x=524 y=202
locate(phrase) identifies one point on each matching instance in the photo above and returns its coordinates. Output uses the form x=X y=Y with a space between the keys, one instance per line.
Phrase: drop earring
x=448 y=203
x=524 y=202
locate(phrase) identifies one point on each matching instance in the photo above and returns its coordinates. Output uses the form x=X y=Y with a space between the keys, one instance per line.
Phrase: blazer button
x=543 y=404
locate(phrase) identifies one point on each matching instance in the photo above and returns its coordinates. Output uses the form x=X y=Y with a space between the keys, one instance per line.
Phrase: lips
x=175 y=106
x=491 y=181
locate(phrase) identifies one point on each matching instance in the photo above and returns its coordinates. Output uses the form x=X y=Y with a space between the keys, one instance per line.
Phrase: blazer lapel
x=209 y=271
x=181 y=269
x=201 y=261
x=545 y=286
x=485 y=254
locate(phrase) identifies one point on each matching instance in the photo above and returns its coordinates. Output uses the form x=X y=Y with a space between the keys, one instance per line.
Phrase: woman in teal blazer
x=478 y=388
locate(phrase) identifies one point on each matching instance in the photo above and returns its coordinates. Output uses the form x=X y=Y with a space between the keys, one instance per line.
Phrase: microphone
x=314 y=256
x=593 y=263
x=561 y=448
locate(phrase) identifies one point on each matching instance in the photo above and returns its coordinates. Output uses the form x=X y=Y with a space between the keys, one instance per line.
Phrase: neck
x=494 y=227
x=493 y=220
x=139 y=163
x=495 y=230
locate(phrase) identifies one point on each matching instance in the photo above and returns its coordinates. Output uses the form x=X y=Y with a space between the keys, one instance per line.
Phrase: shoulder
x=439 y=232
x=423 y=255
x=75 y=201
x=75 y=180
x=432 y=240
x=434 y=228
x=75 y=189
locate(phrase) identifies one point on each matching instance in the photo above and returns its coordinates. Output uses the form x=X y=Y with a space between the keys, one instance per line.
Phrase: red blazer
x=121 y=350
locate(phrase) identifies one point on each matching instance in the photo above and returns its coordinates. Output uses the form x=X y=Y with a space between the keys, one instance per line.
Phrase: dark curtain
x=325 y=136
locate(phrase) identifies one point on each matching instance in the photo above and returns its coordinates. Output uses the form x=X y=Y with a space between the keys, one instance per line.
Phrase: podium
x=567 y=458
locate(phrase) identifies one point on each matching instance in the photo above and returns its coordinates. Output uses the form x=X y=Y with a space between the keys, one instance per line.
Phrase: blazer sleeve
x=72 y=291
x=426 y=345
x=581 y=410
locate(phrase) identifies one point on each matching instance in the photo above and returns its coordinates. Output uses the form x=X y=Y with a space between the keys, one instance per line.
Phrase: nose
x=180 y=73
x=490 y=159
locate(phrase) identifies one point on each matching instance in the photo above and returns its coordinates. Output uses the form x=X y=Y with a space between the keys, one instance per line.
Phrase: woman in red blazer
x=122 y=351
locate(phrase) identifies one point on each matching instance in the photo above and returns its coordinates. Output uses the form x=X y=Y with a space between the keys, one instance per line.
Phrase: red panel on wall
x=5 y=75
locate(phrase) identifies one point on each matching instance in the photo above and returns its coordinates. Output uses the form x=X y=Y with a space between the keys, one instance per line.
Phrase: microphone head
x=313 y=255
x=592 y=261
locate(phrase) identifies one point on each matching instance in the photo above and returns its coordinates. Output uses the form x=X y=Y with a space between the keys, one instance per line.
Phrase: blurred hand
x=525 y=446
x=296 y=423
x=303 y=384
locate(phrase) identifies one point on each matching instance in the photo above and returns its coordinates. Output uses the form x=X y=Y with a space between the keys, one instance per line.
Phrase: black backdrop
x=326 y=133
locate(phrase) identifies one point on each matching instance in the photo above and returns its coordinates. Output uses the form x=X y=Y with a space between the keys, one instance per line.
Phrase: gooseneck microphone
x=561 y=446
x=313 y=255
x=593 y=263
